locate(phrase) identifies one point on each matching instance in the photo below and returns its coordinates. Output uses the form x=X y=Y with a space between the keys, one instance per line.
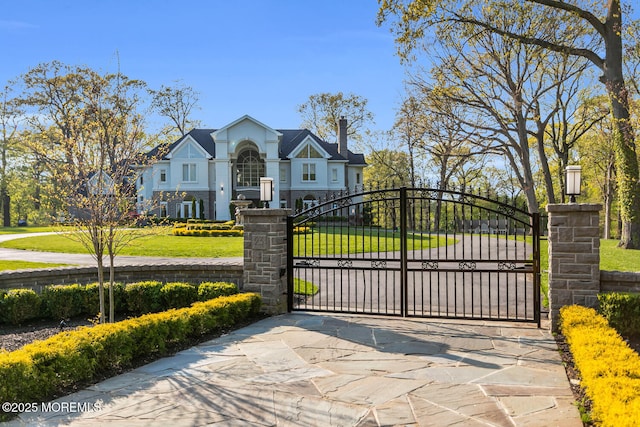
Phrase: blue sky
x=256 y=57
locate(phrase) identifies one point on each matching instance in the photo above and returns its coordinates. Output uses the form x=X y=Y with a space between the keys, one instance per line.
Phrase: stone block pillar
x=265 y=257
x=574 y=257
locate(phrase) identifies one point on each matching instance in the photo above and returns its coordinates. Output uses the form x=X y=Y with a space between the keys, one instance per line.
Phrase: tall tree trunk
x=548 y=181
x=623 y=138
x=6 y=209
x=608 y=200
x=521 y=145
x=627 y=176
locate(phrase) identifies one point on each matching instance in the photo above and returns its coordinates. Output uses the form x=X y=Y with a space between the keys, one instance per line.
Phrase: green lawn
x=614 y=258
x=6 y=265
x=20 y=230
x=159 y=245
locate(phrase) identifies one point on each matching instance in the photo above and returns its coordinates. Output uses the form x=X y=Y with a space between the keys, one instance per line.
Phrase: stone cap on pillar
x=574 y=207
x=265 y=212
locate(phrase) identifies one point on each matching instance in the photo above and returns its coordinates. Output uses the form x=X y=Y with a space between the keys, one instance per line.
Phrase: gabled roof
x=202 y=137
x=246 y=117
x=291 y=138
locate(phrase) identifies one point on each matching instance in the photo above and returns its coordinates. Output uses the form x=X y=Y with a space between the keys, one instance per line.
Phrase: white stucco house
x=209 y=168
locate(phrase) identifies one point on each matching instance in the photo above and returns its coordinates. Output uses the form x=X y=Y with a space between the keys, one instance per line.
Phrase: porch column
x=265 y=257
x=574 y=256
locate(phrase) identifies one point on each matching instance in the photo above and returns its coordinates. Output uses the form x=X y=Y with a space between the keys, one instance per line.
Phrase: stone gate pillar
x=265 y=257
x=574 y=256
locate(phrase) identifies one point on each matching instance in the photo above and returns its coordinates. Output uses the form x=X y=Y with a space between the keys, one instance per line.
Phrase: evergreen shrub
x=92 y=298
x=20 y=305
x=64 y=301
x=178 y=295
x=144 y=297
x=609 y=368
x=210 y=290
x=622 y=311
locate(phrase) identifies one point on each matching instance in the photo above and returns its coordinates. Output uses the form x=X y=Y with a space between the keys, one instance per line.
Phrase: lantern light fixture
x=266 y=191
x=573 y=181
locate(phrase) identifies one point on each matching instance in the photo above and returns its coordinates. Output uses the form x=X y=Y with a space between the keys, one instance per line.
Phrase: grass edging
x=41 y=370
x=609 y=368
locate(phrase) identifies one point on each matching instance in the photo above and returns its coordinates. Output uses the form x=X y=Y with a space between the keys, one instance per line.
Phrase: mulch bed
x=13 y=337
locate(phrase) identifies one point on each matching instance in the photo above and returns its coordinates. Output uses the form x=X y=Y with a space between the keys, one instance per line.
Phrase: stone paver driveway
x=339 y=370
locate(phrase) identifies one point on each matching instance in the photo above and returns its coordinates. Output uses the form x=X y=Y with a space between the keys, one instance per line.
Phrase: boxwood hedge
x=43 y=369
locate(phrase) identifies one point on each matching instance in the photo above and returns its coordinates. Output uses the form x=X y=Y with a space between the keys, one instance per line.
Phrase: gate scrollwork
x=345 y=263
x=378 y=264
x=506 y=266
x=429 y=265
x=467 y=265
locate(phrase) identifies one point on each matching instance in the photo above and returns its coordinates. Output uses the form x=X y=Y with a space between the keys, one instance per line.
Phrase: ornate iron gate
x=416 y=252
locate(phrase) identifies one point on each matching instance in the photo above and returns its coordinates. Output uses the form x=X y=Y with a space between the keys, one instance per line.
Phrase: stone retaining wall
x=619 y=281
x=195 y=273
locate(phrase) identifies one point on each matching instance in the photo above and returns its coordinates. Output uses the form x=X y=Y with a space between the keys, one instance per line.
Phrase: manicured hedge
x=609 y=368
x=64 y=301
x=210 y=290
x=41 y=370
x=302 y=230
x=59 y=302
x=19 y=305
x=92 y=297
x=178 y=295
x=144 y=297
x=199 y=228
x=622 y=311
x=235 y=232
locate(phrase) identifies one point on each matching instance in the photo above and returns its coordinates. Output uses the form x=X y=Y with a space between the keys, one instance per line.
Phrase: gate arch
x=416 y=252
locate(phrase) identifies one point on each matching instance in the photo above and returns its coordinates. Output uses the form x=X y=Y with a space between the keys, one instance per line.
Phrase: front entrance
x=416 y=252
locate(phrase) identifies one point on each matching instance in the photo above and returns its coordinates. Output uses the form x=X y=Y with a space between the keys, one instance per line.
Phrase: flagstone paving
x=340 y=370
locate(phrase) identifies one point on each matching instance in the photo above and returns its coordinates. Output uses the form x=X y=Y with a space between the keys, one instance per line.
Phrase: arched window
x=250 y=167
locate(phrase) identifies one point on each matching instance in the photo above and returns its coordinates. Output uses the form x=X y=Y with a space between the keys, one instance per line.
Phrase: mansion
x=209 y=168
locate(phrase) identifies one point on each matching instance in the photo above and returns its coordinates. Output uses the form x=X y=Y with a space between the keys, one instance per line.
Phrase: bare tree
x=409 y=130
x=88 y=132
x=322 y=112
x=486 y=85
x=177 y=104
x=594 y=32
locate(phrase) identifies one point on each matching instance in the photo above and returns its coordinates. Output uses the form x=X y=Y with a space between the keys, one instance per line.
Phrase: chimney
x=342 y=138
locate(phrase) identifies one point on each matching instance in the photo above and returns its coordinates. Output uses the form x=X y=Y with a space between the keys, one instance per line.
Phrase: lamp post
x=573 y=181
x=266 y=191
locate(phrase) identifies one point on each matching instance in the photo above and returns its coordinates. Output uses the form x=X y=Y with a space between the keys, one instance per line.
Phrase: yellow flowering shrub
x=42 y=369
x=609 y=368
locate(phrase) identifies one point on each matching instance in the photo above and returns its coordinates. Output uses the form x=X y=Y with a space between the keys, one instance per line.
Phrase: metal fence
x=415 y=252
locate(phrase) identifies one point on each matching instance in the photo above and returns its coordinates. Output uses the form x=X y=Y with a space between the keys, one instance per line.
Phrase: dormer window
x=309 y=152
